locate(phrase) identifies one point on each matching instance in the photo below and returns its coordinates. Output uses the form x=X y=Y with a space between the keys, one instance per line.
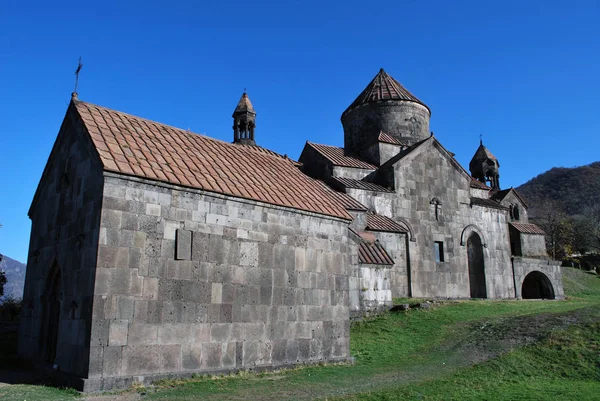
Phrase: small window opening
x=439 y=251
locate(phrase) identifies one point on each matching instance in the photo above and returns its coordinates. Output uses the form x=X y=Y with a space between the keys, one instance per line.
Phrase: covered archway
x=52 y=308
x=537 y=286
x=476 y=266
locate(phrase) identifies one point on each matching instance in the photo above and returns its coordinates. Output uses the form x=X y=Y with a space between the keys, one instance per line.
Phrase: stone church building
x=156 y=251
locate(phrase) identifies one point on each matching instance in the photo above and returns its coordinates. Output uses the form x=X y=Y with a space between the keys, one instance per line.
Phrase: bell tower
x=485 y=167
x=244 y=122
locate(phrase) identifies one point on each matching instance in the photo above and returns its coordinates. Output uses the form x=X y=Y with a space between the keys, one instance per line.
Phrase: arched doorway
x=52 y=314
x=537 y=286
x=476 y=266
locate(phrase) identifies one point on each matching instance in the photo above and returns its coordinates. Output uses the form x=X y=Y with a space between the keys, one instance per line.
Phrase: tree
x=549 y=215
x=2 y=282
x=588 y=228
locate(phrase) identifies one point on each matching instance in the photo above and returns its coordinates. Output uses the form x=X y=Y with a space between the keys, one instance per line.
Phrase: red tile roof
x=358 y=184
x=349 y=202
x=384 y=87
x=387 y=138
x=527 y=228
x=337 y=157
x=377 y=222
x=135 y=146
x=373 y=253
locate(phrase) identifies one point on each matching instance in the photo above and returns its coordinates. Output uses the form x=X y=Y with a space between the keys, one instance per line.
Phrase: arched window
x=437 y=205
x=515 y=212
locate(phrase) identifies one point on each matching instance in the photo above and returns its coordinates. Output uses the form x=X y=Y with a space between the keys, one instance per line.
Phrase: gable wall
x=263 y=286
x=65 y=223
x=512 y=199
x=418 y=179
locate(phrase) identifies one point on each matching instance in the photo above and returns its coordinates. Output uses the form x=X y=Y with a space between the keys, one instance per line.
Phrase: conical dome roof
x=483 y=153
x=384 y=87
x=244 y=105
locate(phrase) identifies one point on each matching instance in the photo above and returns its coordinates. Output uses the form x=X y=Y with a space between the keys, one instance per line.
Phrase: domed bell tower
x=384 y=106
x=244 y=122
x=484 y=167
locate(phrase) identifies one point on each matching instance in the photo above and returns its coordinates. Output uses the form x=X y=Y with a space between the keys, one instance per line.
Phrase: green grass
x=470 y=350
x=28 y=392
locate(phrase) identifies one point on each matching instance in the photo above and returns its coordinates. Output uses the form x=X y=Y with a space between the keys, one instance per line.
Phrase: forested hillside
x=572 y=189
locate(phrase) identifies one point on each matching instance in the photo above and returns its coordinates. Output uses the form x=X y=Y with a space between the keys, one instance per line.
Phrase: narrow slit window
x=439 y=251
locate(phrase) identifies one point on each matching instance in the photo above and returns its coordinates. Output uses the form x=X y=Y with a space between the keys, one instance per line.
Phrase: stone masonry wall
x=550 y=268
x=419 y=177
x=406 y=121
x=195 y=282
x=65 y=220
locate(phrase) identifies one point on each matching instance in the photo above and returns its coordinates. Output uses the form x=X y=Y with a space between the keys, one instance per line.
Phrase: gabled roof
x=500 y=195
x=373 y=253
x=527 y=228
x=370 y=251
x=349 y=202
x=244 y=106
x=387 y=138
x=413 y=150
x=382 y=88
x=358 y=184
x=338 y=157
x=138 y=147
x=377 y=222
x=487 y=203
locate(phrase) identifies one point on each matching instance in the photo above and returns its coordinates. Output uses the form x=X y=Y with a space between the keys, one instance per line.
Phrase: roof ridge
x=137 y=146
x=268 y=152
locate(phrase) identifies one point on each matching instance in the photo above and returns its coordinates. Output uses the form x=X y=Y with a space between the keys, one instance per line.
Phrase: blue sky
x=524 y=74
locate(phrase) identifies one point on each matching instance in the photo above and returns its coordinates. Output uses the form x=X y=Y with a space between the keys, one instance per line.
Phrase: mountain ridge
x=15 y=277
x=572 y=188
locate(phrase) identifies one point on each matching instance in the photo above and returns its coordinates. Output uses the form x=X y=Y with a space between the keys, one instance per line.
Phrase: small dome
x=244 y=106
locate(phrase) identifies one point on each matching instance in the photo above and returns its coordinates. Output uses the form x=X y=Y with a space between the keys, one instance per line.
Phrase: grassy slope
x=430 y=353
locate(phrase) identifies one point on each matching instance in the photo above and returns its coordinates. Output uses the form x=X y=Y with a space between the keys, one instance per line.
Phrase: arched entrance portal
x=476 y=267
x=537 y=286
x=52 y=314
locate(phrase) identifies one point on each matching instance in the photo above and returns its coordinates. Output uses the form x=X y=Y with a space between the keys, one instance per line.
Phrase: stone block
x=170 y=358
x=200 y=243
x=174 y=333
x=99 y=333
x=125 y=307
x=191 y=357
x=96 y=360
x=150 y=288
x=112 y=365
x=211 y=355
x=183 y=244
x=118 y=332
x=153 y=209
x=142 y=334
x=249 y=254
x=141 y=360
x=229 y=355
x=250 y=353
x=292 y=351
x=220 y=332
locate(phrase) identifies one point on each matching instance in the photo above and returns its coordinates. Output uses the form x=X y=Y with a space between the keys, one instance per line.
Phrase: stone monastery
x=158 y=252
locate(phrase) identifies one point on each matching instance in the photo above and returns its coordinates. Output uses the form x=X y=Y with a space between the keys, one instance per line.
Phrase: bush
x=10 y=309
